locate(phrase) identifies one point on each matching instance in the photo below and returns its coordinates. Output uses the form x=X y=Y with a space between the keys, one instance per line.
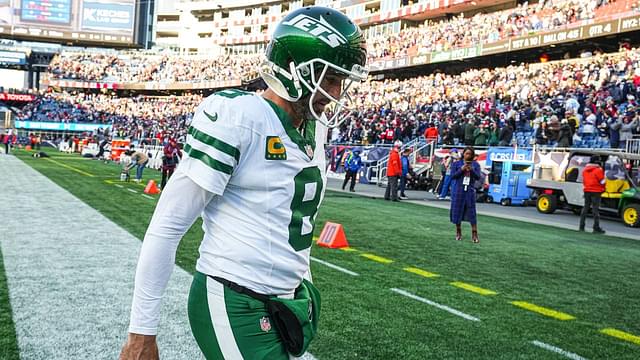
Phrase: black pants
x=350 y=175
x=6 y=148
x=166 y=175
x=392 y=189
x=591 y=200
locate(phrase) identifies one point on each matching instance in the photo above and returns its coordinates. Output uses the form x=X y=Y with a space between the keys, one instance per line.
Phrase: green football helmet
x=308 y=44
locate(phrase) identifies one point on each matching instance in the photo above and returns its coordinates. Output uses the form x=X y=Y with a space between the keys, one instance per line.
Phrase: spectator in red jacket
x=8 y=139
x=394 y=171
x=171 y=157
x=593 y=186
x=431 y=134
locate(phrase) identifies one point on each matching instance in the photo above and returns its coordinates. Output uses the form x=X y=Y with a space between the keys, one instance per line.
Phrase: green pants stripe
x=228 y=325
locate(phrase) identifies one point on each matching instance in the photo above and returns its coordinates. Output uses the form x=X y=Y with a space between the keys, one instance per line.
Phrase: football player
x=254 y=169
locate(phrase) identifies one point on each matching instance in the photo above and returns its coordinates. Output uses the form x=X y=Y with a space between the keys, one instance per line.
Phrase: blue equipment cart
x=508 y=182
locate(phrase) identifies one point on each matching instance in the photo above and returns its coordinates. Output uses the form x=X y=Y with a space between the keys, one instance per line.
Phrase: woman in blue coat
x=464 y=173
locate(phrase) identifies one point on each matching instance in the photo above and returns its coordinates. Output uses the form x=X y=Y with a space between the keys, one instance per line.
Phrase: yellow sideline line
x=348 y=249
x=473 y=288
x=542 y=310
x=377 y=258
x=622 y=335
x=420 y=272
x=71 y=168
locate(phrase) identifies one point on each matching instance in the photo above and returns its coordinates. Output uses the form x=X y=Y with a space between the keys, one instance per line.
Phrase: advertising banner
x=456 y=54
x=629 y=24
x=496 y=47
x=507 y=153
x=17 y=97
x=56 y=126
x=556 y=37
x=97 y=15
x=600 y=29
x=420 y=59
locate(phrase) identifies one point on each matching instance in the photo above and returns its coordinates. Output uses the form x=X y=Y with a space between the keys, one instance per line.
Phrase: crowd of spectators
x=581 y=102
x=587 y=102
x=460 y=31
x=456 y=32
x=137 y=67
x=139 y=118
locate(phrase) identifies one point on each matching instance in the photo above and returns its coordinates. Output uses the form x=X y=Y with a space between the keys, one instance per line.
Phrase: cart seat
x=613 y=188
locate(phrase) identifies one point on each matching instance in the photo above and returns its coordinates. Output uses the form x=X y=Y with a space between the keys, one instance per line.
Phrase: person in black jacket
x=542 y=134
x=506 y=134
x=565 y=137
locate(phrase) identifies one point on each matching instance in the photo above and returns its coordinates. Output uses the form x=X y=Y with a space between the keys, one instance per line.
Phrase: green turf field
x=8 y=343
x=524 y=283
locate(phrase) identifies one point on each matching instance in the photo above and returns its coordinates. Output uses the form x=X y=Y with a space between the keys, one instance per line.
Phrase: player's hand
x=140 y=347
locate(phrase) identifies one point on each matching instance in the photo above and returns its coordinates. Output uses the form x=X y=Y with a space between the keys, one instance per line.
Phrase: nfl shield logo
x=265 y=325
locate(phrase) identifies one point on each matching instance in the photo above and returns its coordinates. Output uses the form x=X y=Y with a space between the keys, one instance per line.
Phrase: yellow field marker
x=110 y=182
x=542 y=310
x=72 y=168
x=473 y=288
x=348 y=249
x=377 y=258
x=420 y=272
x=622 y=335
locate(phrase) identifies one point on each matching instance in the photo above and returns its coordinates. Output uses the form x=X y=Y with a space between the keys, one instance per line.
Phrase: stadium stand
x=139 y=118
x=542 y=104
x=457 y=32
x=461 y=31
x=523 y=96
x=134 y=67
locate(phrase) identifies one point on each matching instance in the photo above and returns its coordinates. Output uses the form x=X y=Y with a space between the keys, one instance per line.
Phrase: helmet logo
x=318 y=28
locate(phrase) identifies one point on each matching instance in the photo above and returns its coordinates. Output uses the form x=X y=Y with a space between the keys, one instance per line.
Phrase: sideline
x=511 y=213
x=79 y=309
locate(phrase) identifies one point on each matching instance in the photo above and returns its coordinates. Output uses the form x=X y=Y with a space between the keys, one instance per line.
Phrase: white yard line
x=432 y=303
x=133 y=191
x=148 y=197
x=120 y=186
x=335 y=267
x=555 y=349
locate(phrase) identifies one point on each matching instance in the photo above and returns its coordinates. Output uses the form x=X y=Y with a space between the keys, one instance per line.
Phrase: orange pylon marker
x=151 y=188
x=332 y=236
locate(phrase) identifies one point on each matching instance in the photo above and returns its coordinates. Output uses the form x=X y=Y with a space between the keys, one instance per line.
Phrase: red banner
x=16 y=97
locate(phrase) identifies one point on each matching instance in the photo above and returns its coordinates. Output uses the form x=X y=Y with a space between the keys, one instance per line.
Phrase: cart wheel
x=505 y=202
x=547 y=204
x=489 y=199
x=631 y=215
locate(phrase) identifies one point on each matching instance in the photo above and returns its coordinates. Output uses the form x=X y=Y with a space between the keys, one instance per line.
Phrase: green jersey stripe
x=216 y=143
x=208 y=160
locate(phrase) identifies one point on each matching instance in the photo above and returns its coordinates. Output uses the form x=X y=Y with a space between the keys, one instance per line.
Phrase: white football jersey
x=270 y=179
